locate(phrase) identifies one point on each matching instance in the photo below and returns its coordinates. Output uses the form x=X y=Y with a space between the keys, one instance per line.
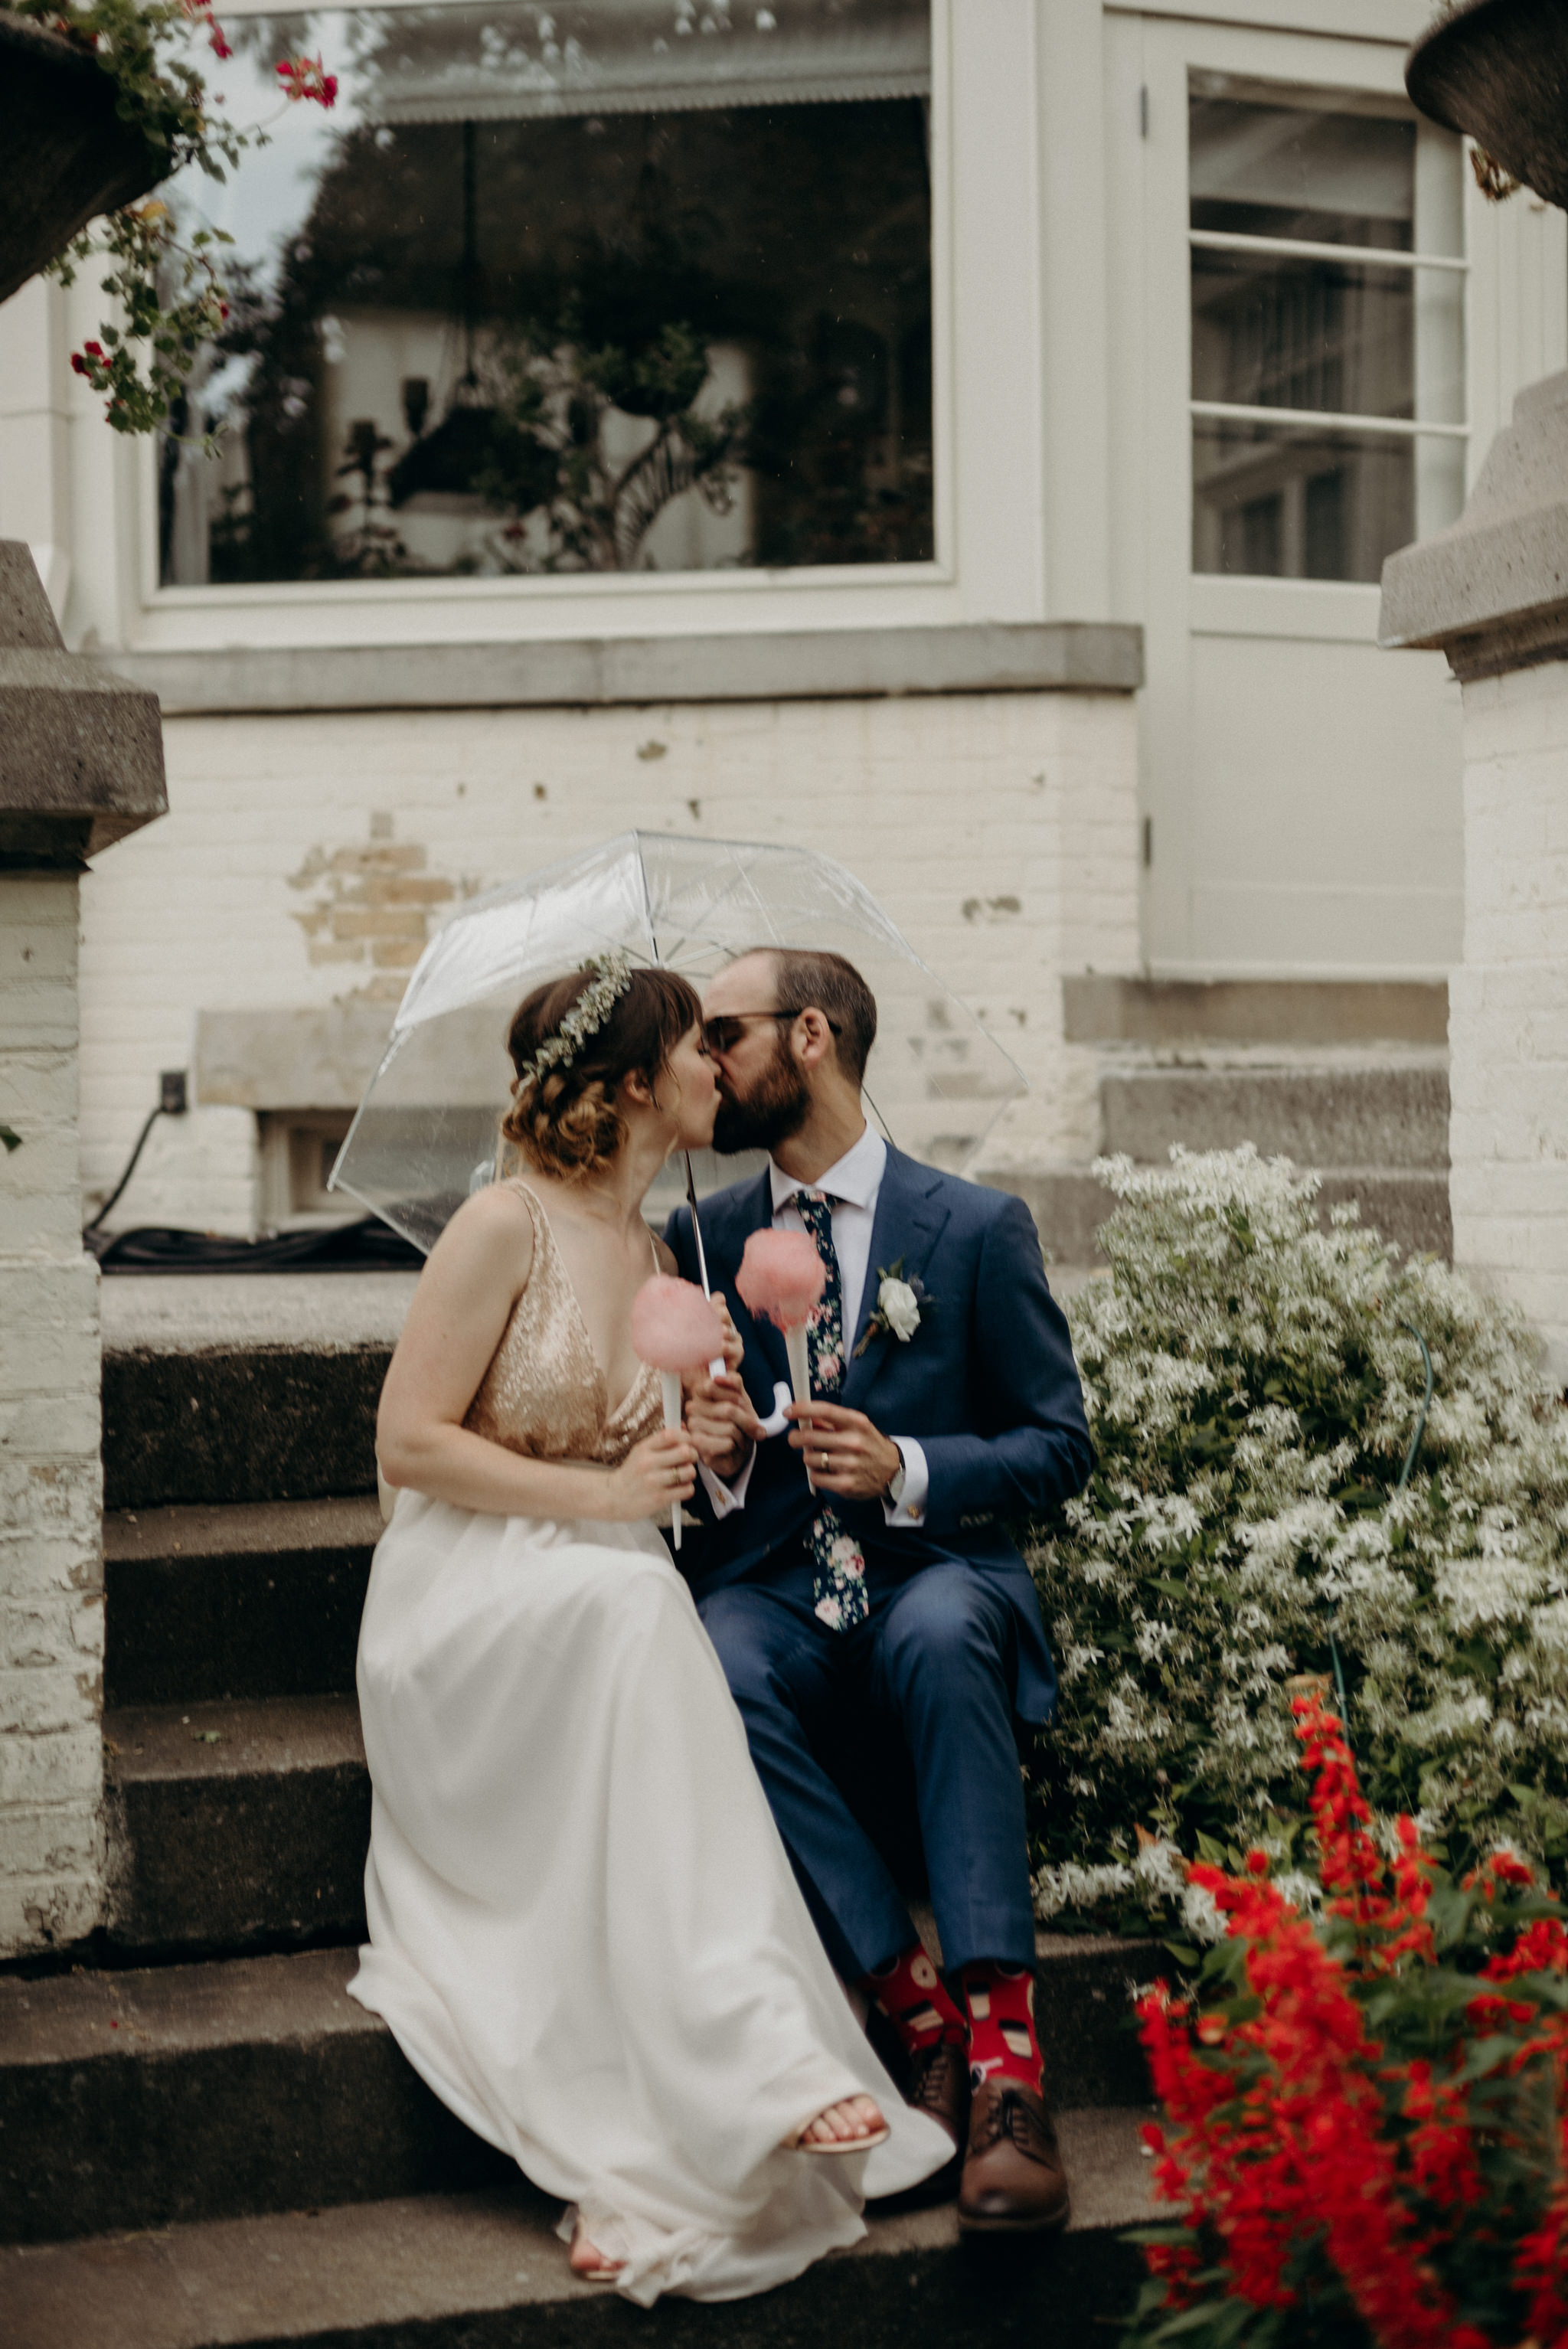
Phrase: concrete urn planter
x=1499 y=70
x=65 y=154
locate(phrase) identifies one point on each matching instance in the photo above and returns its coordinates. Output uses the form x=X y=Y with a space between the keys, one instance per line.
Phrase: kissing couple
x=616 y=1890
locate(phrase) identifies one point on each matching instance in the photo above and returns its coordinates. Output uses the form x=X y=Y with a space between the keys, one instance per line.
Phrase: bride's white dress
x=585 y=1932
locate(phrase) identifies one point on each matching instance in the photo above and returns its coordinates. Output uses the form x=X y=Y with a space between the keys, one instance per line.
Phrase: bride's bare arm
x=475 y=1275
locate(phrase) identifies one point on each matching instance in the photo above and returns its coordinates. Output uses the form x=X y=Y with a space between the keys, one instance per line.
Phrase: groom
x=890 y=1600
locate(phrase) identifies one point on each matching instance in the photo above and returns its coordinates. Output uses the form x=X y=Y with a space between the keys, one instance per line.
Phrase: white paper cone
x=671 y=1382
x=800 y=1374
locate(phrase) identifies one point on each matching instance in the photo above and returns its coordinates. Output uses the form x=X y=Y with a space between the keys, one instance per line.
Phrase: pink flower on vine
x=305 y=78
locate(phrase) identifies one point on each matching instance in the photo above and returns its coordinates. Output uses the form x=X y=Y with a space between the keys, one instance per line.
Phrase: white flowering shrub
x=1252 y=1391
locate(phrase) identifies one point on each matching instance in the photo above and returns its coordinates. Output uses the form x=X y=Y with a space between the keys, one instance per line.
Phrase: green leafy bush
x=1254 y=1385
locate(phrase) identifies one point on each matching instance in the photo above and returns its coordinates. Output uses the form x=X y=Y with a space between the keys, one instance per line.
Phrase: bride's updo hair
x=566 y=1122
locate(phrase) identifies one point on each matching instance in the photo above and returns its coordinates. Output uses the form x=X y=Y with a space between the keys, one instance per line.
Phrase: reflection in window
x=1279 y=323
x=628 y=285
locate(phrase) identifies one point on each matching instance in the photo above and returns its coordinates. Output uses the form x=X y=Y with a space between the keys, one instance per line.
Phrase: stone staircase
x=1348 y=1080
x=202 y=2139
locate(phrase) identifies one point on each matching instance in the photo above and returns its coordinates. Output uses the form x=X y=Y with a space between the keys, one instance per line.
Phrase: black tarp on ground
x=369 y=1246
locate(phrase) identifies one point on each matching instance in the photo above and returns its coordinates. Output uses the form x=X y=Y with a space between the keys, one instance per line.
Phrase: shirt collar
x=856 y=1179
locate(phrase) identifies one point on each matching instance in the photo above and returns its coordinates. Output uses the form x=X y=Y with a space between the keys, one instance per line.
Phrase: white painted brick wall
x=1508 y=1005
x=945 y=809
x=51 y=1484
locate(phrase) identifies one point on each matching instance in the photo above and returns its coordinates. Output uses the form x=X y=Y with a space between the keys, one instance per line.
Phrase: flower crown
x=585 y=1018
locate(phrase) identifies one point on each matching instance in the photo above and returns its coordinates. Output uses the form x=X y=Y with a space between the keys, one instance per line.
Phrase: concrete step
x=253 y=1600
x=229 y=1387
x=1389 y=1114
x=1332 y=1013
x=1408 y=1206
x=275 y=1423
x=486 y=2270
x=148 y=2099
x=244 y=1827
x=177 y=2093
x=236 y=1826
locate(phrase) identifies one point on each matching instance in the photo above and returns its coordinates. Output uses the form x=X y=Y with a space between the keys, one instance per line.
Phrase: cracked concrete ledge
x=805 y=664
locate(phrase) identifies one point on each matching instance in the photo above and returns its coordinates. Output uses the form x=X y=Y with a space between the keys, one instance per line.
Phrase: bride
x=585 y=1932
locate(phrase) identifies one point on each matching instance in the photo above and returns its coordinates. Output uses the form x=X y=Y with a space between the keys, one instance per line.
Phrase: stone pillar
x=81 y=764
x=1493 y=592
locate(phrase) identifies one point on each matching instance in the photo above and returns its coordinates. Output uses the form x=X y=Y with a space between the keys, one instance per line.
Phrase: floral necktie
x=838 y=1581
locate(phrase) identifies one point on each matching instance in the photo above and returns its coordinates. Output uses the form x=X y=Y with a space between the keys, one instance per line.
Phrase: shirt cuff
x=726 y=1498
x=911 y=1508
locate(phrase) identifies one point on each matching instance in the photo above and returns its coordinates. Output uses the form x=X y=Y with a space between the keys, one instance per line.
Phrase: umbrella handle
x=696 y=1224
x=715 y=1368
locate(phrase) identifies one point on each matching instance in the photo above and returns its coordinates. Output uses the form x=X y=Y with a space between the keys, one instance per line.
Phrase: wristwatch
x=896 y=1481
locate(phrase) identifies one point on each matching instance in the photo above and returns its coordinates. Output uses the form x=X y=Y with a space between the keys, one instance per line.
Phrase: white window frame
x=986 y=311
x=1157 y=350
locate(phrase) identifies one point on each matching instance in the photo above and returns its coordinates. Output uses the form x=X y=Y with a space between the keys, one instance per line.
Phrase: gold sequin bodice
x=544 y=1393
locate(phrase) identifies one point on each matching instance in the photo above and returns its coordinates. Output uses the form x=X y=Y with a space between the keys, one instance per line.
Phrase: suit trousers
x=932 y=1664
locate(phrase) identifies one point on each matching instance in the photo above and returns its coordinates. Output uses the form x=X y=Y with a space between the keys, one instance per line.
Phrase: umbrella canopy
x=427 y=1126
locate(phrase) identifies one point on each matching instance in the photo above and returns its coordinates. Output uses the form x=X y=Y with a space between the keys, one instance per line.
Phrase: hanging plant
x=167 y=289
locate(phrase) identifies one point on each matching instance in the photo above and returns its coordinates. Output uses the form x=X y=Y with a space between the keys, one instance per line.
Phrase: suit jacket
x=986 y=1385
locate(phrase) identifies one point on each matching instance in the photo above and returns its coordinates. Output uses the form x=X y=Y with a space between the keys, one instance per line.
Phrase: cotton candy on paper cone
x=781 y=1278
x=801 y=1371
x=671 y=1382
x=674 y=1326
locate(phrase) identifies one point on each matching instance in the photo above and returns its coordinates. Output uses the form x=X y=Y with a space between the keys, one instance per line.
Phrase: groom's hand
x=845 y=1453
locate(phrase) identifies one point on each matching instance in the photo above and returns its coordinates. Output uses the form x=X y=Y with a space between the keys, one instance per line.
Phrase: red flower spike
x=1295 y=2127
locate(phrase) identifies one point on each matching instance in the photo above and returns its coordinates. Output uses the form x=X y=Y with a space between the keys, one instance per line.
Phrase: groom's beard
x=776 y=1107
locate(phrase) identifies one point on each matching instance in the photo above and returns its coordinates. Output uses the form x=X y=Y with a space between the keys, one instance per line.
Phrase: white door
x=1293 y=398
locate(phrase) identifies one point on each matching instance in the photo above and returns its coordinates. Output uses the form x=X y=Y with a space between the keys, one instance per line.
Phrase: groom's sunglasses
x=723 y=1034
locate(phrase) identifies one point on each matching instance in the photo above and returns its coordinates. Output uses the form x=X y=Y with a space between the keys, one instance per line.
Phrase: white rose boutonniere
x=902 y=1305
x=900 y=1309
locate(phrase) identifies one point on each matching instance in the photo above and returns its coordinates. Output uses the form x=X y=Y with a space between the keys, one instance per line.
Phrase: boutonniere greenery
x=902 y=1306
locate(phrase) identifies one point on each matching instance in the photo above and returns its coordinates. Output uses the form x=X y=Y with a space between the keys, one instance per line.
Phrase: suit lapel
x=908 y=1223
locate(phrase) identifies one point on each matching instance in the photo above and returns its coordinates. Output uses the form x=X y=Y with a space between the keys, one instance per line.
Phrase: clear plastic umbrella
x=426 y=1132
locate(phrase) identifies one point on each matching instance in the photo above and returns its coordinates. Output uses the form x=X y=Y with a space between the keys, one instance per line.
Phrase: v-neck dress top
x=544 y=1393
x=585 y=1934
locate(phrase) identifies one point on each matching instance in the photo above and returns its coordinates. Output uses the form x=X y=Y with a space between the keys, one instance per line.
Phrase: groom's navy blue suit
x=952 y=1650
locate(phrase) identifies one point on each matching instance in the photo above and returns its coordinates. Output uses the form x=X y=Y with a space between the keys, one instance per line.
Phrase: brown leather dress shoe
x=937 y=2083
x=1014 y=2182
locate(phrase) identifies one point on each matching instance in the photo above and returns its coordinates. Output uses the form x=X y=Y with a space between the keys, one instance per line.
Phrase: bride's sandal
x=862 y=2142
x=588 y=2263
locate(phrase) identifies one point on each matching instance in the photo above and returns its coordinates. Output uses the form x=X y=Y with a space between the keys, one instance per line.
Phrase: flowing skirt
x=585 y=1932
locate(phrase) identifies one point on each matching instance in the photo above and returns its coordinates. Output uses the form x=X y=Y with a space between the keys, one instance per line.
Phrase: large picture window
x=1327 y=275
x=633 y=286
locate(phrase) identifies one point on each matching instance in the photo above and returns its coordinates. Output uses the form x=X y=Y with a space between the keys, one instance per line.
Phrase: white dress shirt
x=852 y=1185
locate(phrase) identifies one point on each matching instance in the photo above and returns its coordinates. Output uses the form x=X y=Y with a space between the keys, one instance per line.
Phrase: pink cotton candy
x=781 y=1277
x=674 y=1326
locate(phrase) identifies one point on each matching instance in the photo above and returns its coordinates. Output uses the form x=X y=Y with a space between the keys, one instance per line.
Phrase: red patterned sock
x=1001 y=2041
x=910 y=1993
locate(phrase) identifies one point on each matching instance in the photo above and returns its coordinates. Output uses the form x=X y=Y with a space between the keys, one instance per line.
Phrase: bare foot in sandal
x=587 y=2261
x=851 y=2127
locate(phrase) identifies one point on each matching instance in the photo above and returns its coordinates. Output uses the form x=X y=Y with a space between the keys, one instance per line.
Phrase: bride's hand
x=659 y=1470
x=734 y=1349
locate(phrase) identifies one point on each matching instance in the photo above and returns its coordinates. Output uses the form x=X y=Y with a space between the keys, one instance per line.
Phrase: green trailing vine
x=166 y=290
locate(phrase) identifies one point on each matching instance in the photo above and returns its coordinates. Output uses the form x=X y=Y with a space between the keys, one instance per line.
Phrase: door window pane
x=1306 y=331
x=628 y=285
